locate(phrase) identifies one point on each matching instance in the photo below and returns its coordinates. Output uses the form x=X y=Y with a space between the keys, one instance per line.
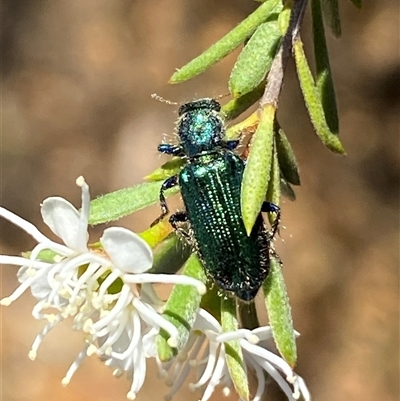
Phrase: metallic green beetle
x=210 y=185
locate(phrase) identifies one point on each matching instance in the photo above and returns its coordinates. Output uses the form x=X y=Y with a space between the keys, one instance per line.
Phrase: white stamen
x=263 y=333
x=25 y=225
x=139 y=362
x=278 y=362
x=303 y=389
x=40 y=337
x=271 y=370
x=25 y=285
x=92 y=350
x=241 y=333
x=123 y=319
x=215 y=378
x=123 y=300
x=226 y=391
x=131 y=395
x=107 y=282
x=74 y=366
x=32 y=355
x=150 y=315
x=177 y=384
x=6 y=301
x=20 y=261
x=260 y=380
x=84 y=214
x=165 y=278
x=134 y=341
x=91 y=269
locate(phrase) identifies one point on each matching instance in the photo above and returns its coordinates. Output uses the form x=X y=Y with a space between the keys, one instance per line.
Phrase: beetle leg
x=169 y=149
x=167 y=184
x=232 y=144
x=268 y=207
x=273 y=254
x=175 y=219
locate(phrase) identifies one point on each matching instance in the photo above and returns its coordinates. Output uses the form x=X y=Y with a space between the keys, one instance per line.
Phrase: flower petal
x=127 y=251
x=40 y=288
x=63 y=219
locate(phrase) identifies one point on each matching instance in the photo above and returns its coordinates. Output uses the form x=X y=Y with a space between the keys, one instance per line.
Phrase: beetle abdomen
x=210 y=188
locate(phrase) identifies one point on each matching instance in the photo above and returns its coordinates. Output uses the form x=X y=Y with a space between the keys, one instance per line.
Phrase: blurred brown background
x=76 y=83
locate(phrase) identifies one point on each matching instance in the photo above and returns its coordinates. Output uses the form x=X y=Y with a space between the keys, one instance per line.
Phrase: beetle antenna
x=221 y=96
x=162 y=100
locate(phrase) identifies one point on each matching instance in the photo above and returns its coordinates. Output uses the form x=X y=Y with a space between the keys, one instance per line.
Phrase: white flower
x=104 y=288
x=212 y=369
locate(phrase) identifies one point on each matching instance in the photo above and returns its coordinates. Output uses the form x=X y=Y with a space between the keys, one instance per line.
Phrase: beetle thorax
x=200 y=131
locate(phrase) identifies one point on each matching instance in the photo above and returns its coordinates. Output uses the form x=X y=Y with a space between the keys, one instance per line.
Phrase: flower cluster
x=212 y=369
x=107 y=291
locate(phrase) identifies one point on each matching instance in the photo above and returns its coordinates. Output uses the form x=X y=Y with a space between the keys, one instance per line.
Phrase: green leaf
x=330 y=9
x=154 y=235
x=237 y=106
x=234 y=355
x=225 y=45
x=115 y=287
x=258 y=168
x=211 y=302
x=324 y=79
x=357 y=3
x=286 y=190
x=181 y=309
x=45 y=255
x=284 y=17
x=170 y=255
x=113 y=206
x=255 y=60
x=274 y=185
x=248 y=318
x=286 y=157
x=313 y=101
x=279 y=313
x=168 y=169
x=248 y=125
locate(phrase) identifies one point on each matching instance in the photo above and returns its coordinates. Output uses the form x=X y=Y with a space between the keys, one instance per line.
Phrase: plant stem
x=276 y=74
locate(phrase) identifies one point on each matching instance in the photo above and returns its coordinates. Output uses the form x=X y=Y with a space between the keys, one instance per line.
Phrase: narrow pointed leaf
x=248 y=318
x=357 y=3
x=255 y=60
x=313 y=101
x=324 y=79
x=170 y=255
x=234 y=355
x=330 y=10
x=249 y=124
x=225 y=45
x=45 y=255
x=284 y=17
x=280 y=317
x=286 y=190
x=154 y=235
x=114 y=205
x=211 y=302
x=168 y=169
x=237 y=106
x=286 y=157
x=274 y=185
x=181 y=309
x=257 y=172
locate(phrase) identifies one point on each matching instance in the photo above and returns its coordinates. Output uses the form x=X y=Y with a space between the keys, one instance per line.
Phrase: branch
x=276 y=73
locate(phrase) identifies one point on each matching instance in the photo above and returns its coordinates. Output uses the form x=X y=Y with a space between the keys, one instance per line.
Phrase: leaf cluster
x=269 y=37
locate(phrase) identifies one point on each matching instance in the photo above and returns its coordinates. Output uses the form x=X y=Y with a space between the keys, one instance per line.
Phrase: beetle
x=210 y=185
